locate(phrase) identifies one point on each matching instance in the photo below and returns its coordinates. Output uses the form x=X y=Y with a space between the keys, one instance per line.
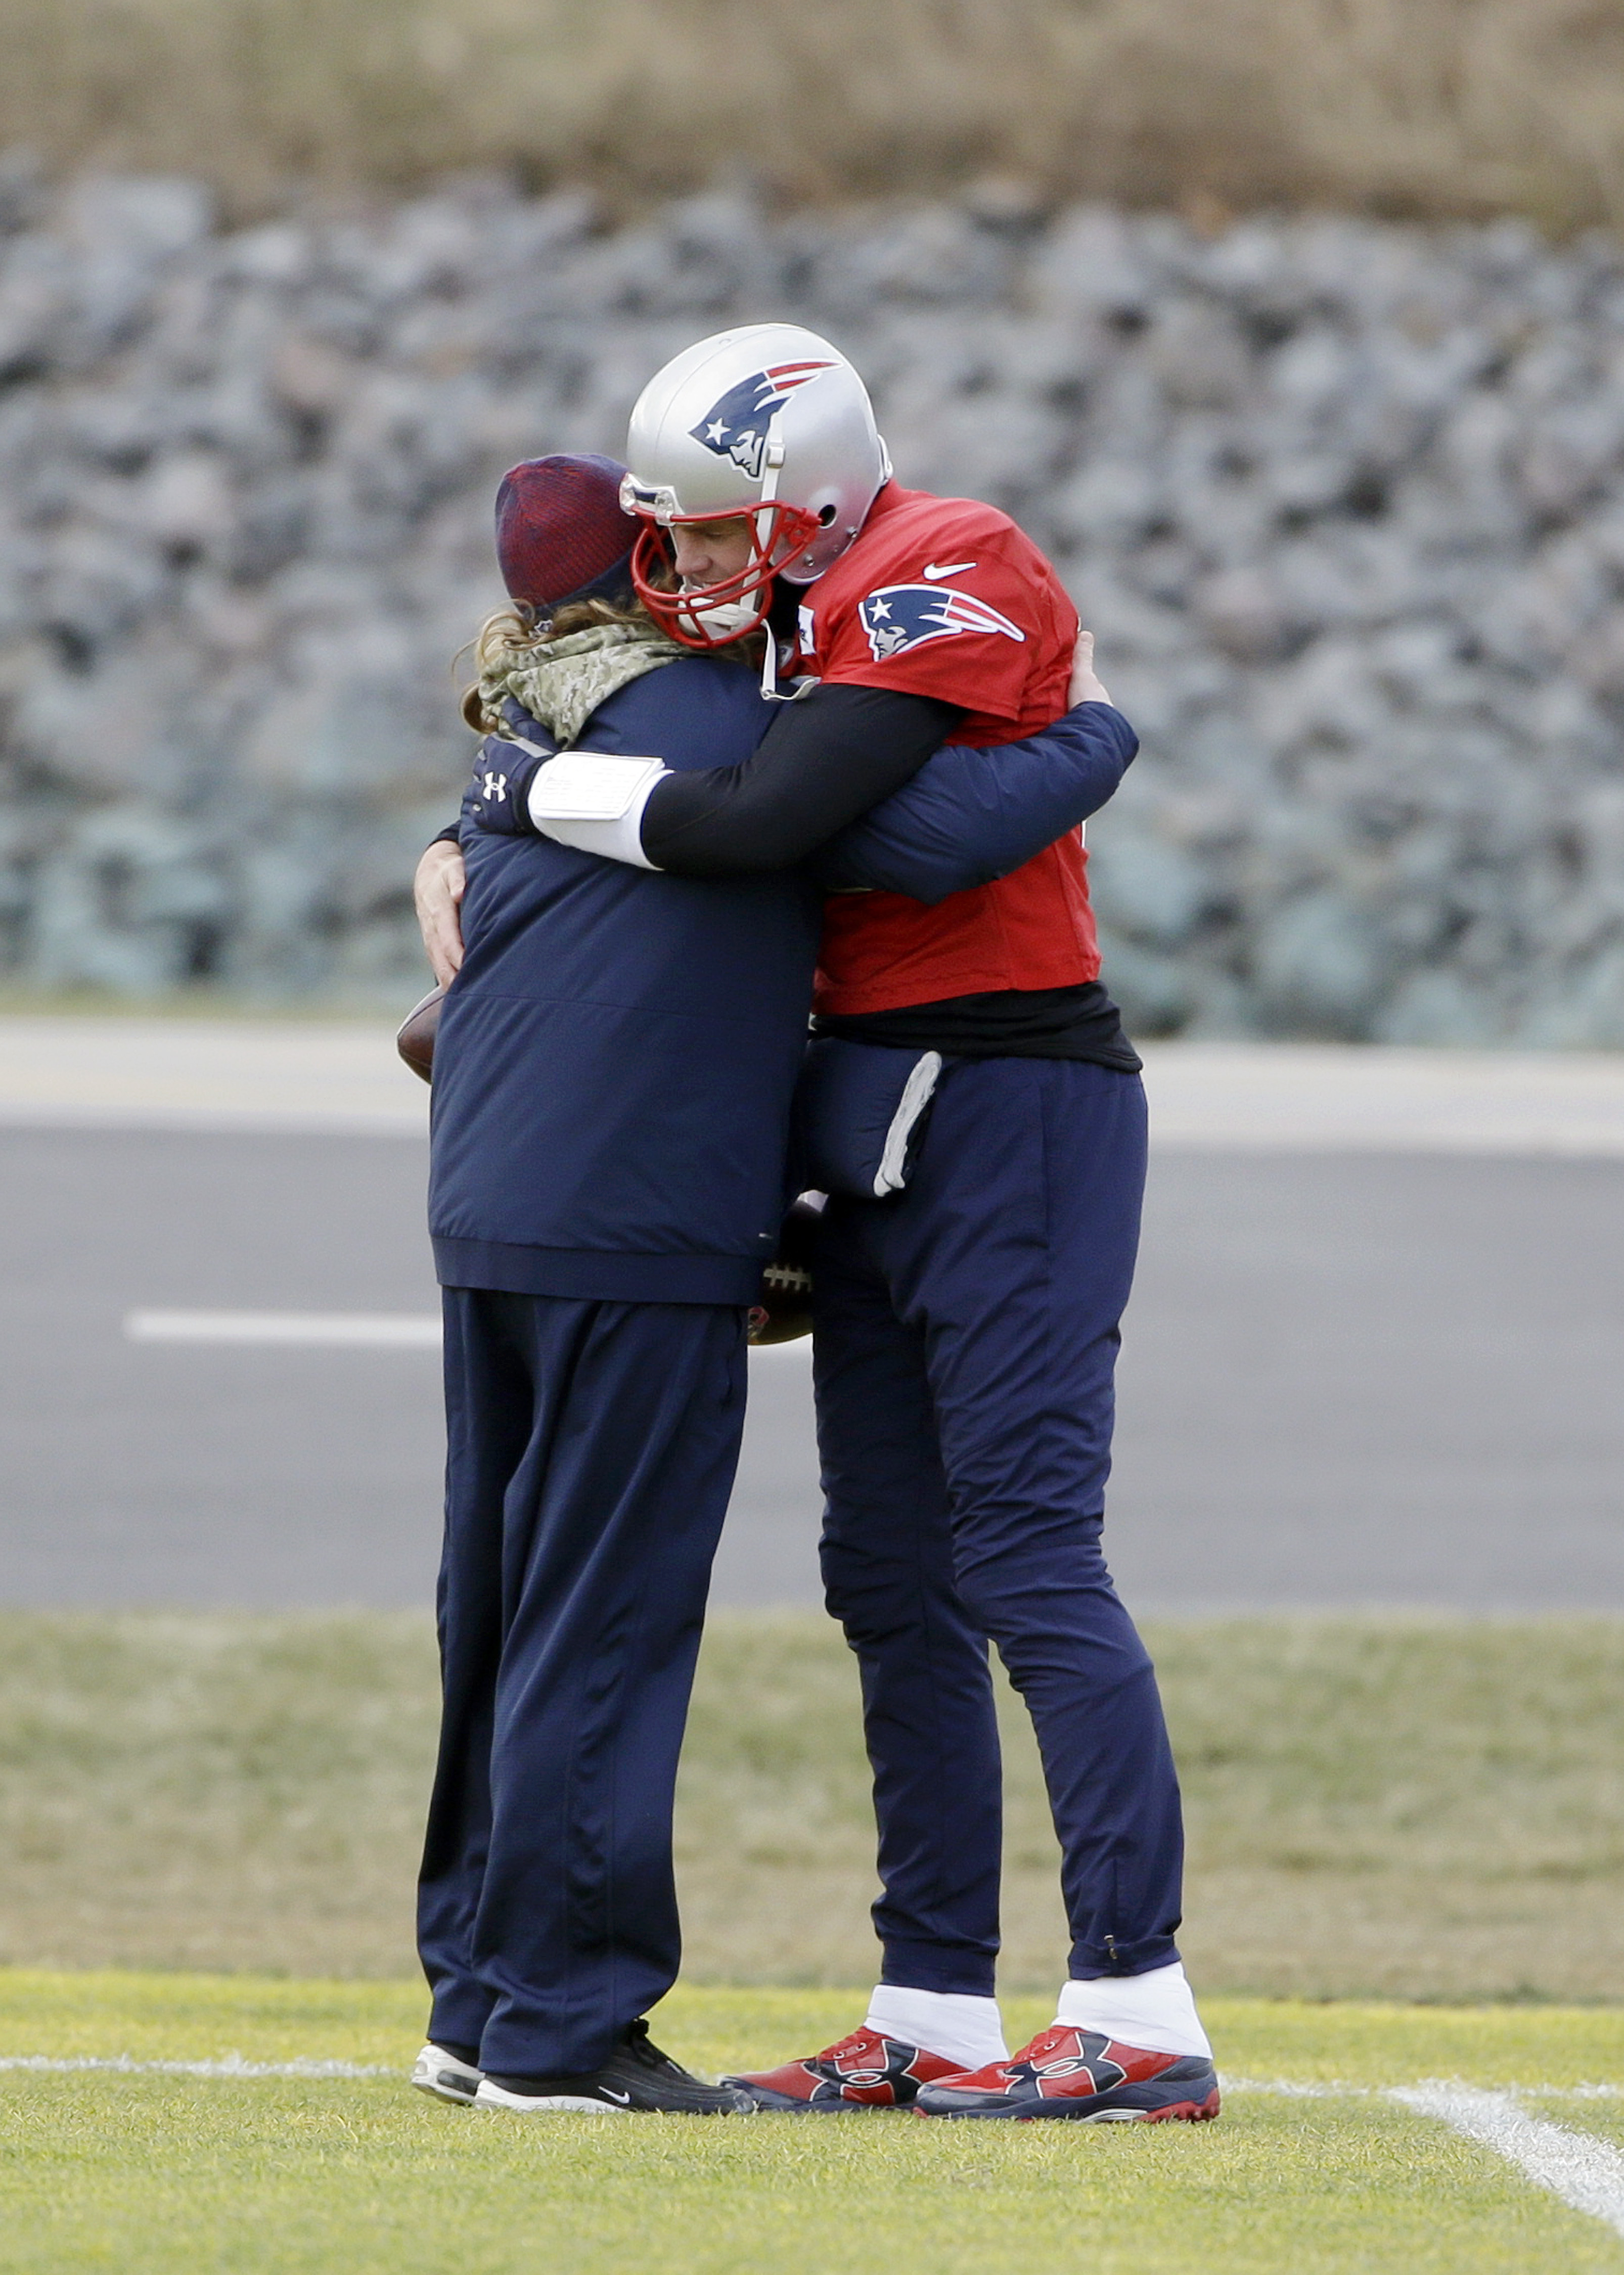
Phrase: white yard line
x=1585 y=2173
x=359 y=1330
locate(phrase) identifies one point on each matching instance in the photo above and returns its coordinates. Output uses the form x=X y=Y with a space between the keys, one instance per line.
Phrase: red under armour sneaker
x=865 y=2071
x=1067 y=2072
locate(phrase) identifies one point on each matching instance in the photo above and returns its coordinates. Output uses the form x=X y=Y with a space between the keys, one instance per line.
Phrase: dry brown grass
x=1430 y=107
x=1433 y=1810
x=1375 y=1808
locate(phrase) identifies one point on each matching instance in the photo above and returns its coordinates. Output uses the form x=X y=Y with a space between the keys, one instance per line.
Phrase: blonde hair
x=509 y=635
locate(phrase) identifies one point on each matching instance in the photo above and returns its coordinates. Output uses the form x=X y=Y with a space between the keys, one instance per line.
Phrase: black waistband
x=1028 y=1023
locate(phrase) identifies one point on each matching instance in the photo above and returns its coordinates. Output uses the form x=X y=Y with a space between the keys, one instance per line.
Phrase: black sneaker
x=449 y=2073
x=636 y=2076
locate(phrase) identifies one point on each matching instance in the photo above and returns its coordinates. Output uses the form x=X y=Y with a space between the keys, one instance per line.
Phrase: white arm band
x=595 y=803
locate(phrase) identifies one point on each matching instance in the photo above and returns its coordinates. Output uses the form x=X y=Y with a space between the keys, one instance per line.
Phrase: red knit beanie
x=561 y=532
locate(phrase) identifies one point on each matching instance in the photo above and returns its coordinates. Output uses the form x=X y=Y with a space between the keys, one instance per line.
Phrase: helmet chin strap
x=723 y=619
x=770 y=690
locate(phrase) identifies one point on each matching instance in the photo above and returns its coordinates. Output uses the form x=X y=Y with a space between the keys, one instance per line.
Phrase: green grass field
x=1429 y=1810
x=136 y=2170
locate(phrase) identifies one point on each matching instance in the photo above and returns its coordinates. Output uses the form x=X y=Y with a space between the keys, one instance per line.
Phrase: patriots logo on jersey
x=898 y=617
x=736 y=424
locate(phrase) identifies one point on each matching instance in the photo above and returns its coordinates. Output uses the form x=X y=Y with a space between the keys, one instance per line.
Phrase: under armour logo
x=494 y=787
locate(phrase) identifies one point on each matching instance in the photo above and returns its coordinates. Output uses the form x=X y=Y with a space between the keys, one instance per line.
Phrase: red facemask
x=715 y=616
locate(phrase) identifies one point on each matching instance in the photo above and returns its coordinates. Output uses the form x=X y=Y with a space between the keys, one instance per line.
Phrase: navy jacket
x=616 y=1060
x=970 y=815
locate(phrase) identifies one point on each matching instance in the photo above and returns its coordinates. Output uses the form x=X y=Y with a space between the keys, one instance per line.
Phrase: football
x=783 y=1309
x=415 y=1041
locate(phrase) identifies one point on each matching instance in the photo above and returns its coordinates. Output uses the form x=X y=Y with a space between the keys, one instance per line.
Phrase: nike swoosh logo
x=935 y=570
x=609 y=2094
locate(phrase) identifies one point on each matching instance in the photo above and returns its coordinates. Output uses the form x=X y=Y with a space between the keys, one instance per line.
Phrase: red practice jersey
x=946 y=597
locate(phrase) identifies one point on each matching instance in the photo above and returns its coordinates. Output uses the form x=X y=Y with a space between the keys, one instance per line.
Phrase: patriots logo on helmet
x=736 y=424
x=898 y=617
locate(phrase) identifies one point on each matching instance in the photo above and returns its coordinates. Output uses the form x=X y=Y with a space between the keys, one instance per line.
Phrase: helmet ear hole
x=826 y=513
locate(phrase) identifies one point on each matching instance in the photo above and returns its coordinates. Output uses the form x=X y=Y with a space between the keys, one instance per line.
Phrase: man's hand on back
x=1086 y=685
x=437 y=891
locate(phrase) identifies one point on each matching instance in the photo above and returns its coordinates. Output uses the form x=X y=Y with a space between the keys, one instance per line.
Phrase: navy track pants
x=967 y=1332
x=591 y=1451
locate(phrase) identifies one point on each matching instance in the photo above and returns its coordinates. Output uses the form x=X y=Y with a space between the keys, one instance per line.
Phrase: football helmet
x=766 y=421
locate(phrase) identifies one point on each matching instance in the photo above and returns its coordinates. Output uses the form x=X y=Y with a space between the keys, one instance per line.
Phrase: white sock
x=950 y=2023
x=1156 y=2010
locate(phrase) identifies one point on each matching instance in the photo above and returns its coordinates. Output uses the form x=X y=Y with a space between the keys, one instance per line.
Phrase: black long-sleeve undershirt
x=823 y=762
x=825 y=759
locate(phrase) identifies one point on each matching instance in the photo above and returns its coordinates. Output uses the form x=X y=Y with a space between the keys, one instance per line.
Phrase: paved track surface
x=1361 y=1378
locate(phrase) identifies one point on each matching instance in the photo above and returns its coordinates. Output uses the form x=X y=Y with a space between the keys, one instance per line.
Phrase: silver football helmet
x=766 y=421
